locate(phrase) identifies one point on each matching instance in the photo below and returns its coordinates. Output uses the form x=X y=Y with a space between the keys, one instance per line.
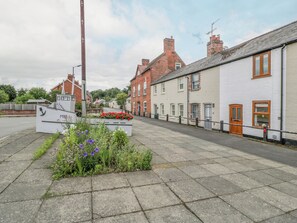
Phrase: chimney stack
x=169 y=45
x=145 y=62
x=215 y=45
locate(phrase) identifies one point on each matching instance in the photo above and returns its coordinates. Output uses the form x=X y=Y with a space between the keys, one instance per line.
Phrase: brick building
x=147 y=72
x=67 y=84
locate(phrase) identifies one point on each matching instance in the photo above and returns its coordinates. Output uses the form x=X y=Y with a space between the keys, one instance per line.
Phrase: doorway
x=208 y=116
x=235 y=119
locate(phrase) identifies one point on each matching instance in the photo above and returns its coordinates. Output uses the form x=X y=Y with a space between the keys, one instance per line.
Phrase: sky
x=40 y=39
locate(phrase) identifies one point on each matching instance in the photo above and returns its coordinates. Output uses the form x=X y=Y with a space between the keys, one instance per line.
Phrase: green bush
x=87 y=150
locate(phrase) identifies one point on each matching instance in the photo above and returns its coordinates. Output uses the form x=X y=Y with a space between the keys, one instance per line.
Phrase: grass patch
x=45 y=146
x=87 y=150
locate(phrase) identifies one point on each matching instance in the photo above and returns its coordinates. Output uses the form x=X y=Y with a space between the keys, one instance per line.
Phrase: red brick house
x=147 y=72
x=67 y=84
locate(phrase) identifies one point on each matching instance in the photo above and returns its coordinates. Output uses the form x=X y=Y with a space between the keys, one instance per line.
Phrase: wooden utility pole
x=83 y=58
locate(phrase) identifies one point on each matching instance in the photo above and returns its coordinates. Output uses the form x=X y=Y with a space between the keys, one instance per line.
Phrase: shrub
x=87 y=150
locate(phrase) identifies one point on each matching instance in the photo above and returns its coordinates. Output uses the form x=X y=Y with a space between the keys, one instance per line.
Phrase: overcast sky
x=40 y=39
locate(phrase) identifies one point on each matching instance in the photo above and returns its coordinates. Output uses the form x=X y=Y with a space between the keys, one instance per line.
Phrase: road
x=15 y=124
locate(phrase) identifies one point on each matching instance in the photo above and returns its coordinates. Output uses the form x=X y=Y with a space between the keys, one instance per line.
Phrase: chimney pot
x=145 y=62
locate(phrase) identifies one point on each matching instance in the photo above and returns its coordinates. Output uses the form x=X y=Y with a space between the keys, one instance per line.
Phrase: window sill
x=261 y=76
x=181 y=90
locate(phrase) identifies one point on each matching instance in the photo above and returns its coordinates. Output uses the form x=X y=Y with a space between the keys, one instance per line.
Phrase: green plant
x=4 y=97
x=45 y=146
x=119 y=138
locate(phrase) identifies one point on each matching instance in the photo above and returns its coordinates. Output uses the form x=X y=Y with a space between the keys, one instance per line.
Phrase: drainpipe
x=282 y=93
x=188 y=96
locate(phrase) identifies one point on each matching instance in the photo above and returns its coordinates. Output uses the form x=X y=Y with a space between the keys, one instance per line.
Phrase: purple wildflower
x=96 y=150
x=87 y=131
x=92 y=153
x=85 y=154
x=90 y=141
x=81 y=146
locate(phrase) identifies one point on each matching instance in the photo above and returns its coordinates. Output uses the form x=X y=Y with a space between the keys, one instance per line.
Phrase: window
x=172 y=109
x=133 y=109
x=155 y=89
x=162 y=109
x=177 y=66
x=138 y=89
x=181 y=110
x=261 y=65
x=261 y=113
x=195 y=111
x=144 y=88
x=180 y=82
x=163 y=87
x=196 y=81
x=144 y=106
x=133 y=91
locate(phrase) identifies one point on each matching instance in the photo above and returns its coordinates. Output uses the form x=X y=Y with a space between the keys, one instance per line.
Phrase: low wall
x=18 y=112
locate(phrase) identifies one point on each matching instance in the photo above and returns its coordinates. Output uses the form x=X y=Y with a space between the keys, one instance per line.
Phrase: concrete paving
x=192 y=180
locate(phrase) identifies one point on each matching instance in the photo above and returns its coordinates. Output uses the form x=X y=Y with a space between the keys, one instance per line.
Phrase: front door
x=138 y=108
x=208 y=116
x=235 y=116
x=156 y=116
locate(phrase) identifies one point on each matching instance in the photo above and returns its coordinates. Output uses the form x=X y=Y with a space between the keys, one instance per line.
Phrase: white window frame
x=144 y=87
x=163 y=89
x=196 y=84
x=172 y=109
x=144 y=106
x=134 y=90
x=181 y=111
x=162 y=108
x=180 y=83
x=177 y=66
x=155 y=89
x=138 y=90
x=197 y=113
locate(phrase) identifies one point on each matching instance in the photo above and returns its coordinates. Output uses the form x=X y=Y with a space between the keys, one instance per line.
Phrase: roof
x=65 y=81
x=143 y=69
x=271 y=40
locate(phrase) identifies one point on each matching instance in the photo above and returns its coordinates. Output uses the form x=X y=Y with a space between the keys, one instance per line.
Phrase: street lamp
x=72 y=91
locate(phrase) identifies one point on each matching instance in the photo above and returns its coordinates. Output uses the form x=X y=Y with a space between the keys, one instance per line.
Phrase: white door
x=208 y=116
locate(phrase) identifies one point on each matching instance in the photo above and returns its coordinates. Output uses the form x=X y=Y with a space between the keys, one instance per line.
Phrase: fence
x=262 y=133
x=18 y=107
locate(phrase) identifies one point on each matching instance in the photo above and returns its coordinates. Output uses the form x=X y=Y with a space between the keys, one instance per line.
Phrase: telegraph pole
x=83 y=58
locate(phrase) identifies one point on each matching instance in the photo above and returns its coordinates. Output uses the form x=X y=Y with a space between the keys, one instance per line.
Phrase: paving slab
x=217 y=169
x=14 y=165
x=9 y=176
x=137 y=217
x=286 y=218
x=210 y=155
x=114 y=202
x=173 y=214
x=174 y=157
x=196 y=171
x=3 y=186
x=280 y=174
x=276 y=198
x=204 y=161
x=270 y=163
x=109 y=181
x=158 y=159
x=35 y=175
x=262 y=177
x=19 y=212
x=219 y=185
x=237 y=167
x=155 y=196
x=62 y=209
x=215 y=210
x=253 y=164
x=252 y=206
x=189 y=190
x=70 y=186
x=221 y=160
x=289 y=169
x=287 y=188
x=294 y=213
x=242 y=181
x=171 y=174
x=24 y=191
x=140 y=178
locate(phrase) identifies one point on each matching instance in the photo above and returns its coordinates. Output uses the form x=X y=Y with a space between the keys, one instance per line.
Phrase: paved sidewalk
x=192 y=180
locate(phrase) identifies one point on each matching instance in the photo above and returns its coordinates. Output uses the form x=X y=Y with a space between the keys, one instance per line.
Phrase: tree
x=24 y=98
x=10 y=90
x=22 y=91
x=121 y=99
x=3 y=96
x=38 y=92
x=53 y=95
x=127 y=89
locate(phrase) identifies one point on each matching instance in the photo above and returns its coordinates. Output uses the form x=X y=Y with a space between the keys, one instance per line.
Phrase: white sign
x=50 y=120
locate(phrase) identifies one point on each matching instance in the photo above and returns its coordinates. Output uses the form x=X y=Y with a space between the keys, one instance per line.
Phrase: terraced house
x=246 y=87
x=147 y=72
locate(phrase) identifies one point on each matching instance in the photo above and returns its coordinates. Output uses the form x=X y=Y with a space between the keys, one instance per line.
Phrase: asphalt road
x=15 y=124
x=266 y=150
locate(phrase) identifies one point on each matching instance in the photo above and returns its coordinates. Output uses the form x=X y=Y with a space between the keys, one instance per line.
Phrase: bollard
x=167 y=117
x=221 y=126
x=179 y=119
x=196 y=122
